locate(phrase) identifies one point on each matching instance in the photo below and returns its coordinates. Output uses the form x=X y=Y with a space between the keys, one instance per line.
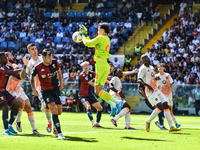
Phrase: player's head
x=118 y=72
x=9 y=57
x=32 y=49
x=85 y=65
x=145 y=59
x=111 y=67
x=161 y=67
x=104 y=28
x=3 y=59
x=47 y=56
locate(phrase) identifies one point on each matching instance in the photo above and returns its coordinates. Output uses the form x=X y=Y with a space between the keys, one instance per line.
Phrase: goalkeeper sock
x=108 y=98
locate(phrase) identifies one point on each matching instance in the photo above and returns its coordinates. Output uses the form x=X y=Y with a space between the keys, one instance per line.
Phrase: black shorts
x=5 y=98
x=91 y=99
x=51 y=96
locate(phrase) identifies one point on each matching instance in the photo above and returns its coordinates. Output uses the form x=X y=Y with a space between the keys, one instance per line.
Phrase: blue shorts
x=91 y=99
x=51 y=96
x=5 y=98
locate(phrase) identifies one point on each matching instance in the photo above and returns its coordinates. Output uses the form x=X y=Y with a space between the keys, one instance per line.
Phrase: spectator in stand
x=18 y=5
x=192 y=78
x=11 y=15
x=55 y=15
x=195 y=58
x=99 y=4
x=73 y=75
x=114 y=40
x=195 y=41
x=120 y=6
x=90 y=15
x=120 y=36
x=89 y=24
x=137 y=51
x=63 y=15
x=65 y=76
x=116 y=29
x=97 y=14
x=183 y=6
x=128 y=61
x=65 y=23
x=67 y=47
x=71 y=57
x=2 y=14
x=40 y=15
x=23 y=15
x=116 y=63
x=22 y=34
x=39 y=39
x=59 y=47
x=115 y=16
x=124 y=15
x=59 y=34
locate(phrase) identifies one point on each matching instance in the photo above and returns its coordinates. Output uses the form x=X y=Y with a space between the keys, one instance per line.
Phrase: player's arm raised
x=24 y=74
x=60 y=79
x=32 y=80
x=130 y=72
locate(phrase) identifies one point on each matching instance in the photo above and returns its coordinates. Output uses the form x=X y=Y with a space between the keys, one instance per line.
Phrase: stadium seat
x=4 y=44
x=33 y=38
x=39 y=33
x=57 y=24
x=74 y=23
x=68 y=28
x=10 y=23
x=70 y=15
x=57 y=39
x=11 y=45
x=37 y=44
x=110 y=5
x=91 y=31
x=47 y=32
x=10 y=5
x=103 y=15
x=81 y=23
x=60 y=28
x=24 y=39
x=109 y=16
x=85 y=16
x=65 y=39
x=78 y=16
x=47 y=16
x=112 y=25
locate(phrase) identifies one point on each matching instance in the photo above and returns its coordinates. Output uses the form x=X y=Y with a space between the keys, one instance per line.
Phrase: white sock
x=113 y=105
x=31 y=118
x=174 y=119
x=121 y=113
x=153 y=115
x=127 y=119
x=48 y=115
x=19 y=114
x=168 y=117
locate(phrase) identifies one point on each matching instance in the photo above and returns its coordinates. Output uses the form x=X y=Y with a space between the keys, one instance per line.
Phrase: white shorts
x=170 y=101
x=20 y=94
x=156 y=97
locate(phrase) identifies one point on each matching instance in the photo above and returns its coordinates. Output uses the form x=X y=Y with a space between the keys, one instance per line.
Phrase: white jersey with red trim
x=147 y=74
x=164 y=81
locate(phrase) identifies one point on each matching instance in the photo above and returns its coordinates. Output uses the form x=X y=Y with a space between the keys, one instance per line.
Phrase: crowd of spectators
x=178 y=48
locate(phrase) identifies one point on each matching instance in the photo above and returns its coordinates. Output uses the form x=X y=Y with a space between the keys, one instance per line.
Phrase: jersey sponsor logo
x=43 y=76
x=2 y=68
x=51 y=75
x=48 y=100
x=42 y=70
x=164 y=82
x=86 y=78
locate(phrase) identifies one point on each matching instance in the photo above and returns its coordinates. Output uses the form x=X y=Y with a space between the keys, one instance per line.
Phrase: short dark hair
x=30 y=45
x=46 y=52
x=161 y=64
x=105 y=26
x=116 y=70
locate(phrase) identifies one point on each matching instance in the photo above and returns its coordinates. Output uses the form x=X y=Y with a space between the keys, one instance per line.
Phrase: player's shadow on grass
x=34 y=135
x=109 y=128
x=182 y=133
x=143 y=139
x=79 y=139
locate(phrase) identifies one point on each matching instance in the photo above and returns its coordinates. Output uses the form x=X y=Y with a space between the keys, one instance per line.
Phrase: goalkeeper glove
x=83 y=31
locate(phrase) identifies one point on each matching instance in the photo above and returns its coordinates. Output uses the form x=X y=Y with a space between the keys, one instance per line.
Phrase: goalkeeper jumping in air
x=102 y=47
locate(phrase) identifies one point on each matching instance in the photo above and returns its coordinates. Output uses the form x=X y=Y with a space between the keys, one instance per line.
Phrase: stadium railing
x=182 y=97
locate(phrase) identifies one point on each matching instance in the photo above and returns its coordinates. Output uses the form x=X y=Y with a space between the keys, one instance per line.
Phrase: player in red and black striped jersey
x=86 y=93
x=47 y=74
x=6 y=99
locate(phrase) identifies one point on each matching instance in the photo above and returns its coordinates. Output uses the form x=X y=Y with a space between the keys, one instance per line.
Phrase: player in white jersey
x=17 y=91
x=116 y=91
x=165 y=83
x=147 y=78
x=35 y=59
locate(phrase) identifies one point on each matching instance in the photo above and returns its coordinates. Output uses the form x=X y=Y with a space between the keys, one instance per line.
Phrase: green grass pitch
x=80 y=135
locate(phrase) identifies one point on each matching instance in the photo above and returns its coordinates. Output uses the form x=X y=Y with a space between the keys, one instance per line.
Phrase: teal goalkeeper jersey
x=102 y=47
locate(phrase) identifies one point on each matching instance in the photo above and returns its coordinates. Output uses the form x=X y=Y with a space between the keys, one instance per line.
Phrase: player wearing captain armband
x=102 y=48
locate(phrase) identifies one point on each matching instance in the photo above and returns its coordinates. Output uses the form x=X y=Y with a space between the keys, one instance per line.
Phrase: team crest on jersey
x=164 y=82
x=2 y=98
x=47 y=99
x=152 y=74
x=8 y=67
x=54 y=66
x=166 y=77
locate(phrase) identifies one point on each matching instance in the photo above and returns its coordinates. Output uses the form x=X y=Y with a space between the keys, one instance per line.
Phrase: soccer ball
x=77 y=37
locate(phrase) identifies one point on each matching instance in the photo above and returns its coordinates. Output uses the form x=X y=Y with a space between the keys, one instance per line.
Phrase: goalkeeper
x=102 y=48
